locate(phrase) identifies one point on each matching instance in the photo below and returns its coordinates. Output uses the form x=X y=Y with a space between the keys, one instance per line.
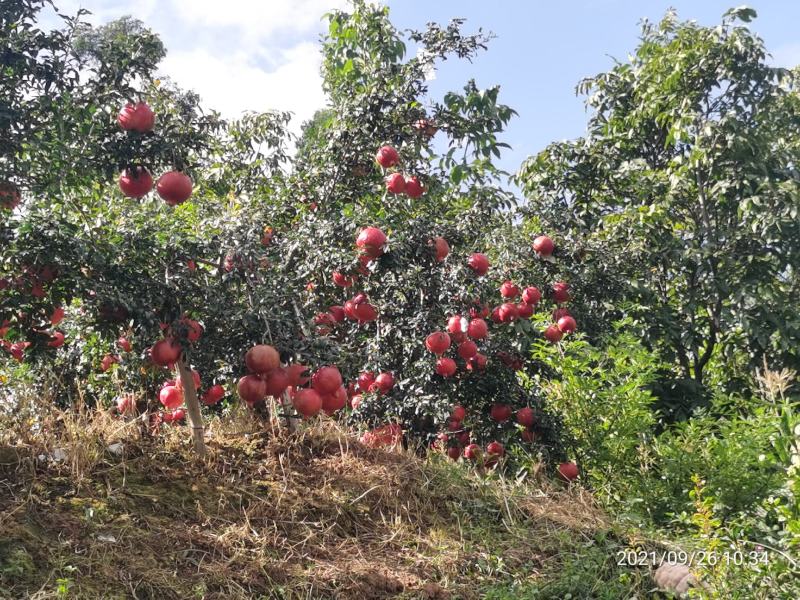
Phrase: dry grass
x=267 y=514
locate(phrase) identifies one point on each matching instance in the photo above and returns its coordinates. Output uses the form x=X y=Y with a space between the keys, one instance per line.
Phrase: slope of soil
x=275 y=515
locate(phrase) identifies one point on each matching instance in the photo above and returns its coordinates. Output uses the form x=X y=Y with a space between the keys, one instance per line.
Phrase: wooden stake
x=192 y=406
x=286 y=405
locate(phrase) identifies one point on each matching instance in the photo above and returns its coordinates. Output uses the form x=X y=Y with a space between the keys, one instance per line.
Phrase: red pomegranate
x=334 y=401
x=477 y=362
x=343 y=280
x=350 y=310
x=193 y=329
x=136 y=117
x=553 y=334
x=472 y=452
x=458 y=413
x=56 y=340
x=175 y=416
x=467 y=350
x=425 y=127
x=454 y=424
x=262 y=358
x=252 y=389
x=295 y=373
x=479 y=264
x=57 y=316
x=365 y=380
x=568 y=471
x=561 y=292
x=337 y=313
x=567 y=324
x=108 y=361
x=441 y=248
x=508 y=312
x=500 y=412
x=9 y=195
x=531 y=295
x=386 y=435
x=454 y=452
x=478 y=310
x=509 y=290
x=524 y=311
x=165 y=352
x=387 y=157
x=124 y=344
x=496 y=449
x=395 y=183
x=136 y=182
x=326 y=380
x=307 y=402
x=446 y=367
x=371 y=241
x=454 y=324
x=526 y=416
x=174 y=187
x=276 y=382
x=543 y=246
x=413 y=187
x=126 y=404
x=324 y=321
x=437 y=342
x=171 y=397
x=477 y=329
x=384 y=382
x=213 y=395
x=365 y=312
x=560 y=312
x=458 y=337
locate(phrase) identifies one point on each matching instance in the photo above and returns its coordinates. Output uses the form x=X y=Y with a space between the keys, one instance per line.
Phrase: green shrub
x=602 y=398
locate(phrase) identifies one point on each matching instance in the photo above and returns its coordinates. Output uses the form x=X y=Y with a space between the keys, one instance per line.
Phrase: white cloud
x=237 y=54
x=258 y=18
x=232 y=84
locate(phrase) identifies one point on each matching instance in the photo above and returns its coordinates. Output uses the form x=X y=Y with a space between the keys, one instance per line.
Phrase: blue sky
x=262 y=54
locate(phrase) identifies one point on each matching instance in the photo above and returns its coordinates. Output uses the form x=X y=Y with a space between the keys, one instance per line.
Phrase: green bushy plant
x=602 y=399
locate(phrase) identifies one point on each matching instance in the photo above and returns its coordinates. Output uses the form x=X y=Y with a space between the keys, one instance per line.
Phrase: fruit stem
x=192 y=406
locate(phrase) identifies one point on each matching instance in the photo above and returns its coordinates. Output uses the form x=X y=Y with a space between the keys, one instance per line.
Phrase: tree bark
x=192 y=406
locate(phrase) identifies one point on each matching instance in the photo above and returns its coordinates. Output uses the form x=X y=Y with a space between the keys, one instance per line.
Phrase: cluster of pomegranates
x=174 y=187
x=369 y=382
x=370 y=243
x=268 y=377
x=398 y=183
x=356 y=309
x=425 y=127
x=464 y=332
x=32 y=281
x=455 y=442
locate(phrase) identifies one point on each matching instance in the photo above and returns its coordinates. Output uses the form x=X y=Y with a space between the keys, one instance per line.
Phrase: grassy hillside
x=275 y=515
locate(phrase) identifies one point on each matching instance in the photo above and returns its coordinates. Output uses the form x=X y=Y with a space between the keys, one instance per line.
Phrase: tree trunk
x=192 y=406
